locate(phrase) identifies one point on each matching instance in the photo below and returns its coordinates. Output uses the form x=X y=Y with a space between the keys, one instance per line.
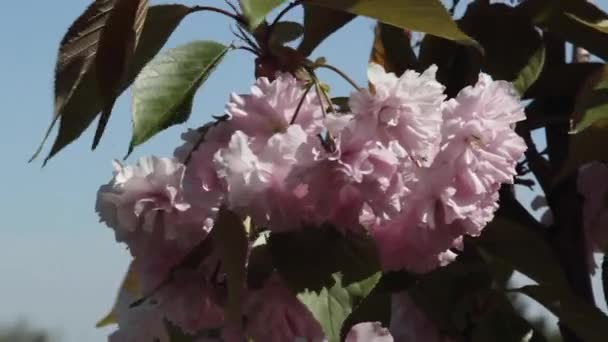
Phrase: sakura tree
x=384 y=214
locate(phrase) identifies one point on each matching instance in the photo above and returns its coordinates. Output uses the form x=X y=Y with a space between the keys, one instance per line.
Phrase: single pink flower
x=405 y=109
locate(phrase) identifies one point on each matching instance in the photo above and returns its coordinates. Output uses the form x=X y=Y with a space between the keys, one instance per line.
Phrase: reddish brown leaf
x=76 y=57
x=116 y=46
x=77 y=50
x=319 y=23
x=84 y=104
x=392 y=49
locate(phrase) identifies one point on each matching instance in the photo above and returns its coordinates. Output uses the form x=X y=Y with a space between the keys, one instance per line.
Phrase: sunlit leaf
x=428 y=16
x=256 y=10
x=530 y=73
x=333 y=304
x=163 y=91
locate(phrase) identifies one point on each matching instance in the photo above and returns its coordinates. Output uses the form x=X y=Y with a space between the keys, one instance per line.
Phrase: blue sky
x=60 y=268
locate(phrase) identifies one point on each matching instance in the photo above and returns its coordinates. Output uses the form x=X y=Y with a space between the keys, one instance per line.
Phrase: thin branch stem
x=247 y=48
x=341 y=73
x=236 y=17
x=284 y=11
x=231 y=5
x=295 y=115
x=242 y=35
x=539 y=165
x=454 y=5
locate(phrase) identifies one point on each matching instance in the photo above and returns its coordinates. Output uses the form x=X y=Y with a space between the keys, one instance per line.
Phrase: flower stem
x=295 y=115
x=341 y=73
x=238 y=18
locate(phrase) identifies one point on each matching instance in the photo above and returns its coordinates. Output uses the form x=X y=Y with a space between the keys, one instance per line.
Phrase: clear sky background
x=60 y=268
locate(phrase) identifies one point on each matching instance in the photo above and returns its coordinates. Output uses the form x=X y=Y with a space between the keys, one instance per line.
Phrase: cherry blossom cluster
x=416 y=170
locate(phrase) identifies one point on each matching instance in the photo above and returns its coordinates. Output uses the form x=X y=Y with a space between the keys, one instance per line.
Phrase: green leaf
x=285 y=32
x=163 y=91
x=320 y=23
x=330 y=271
x=428 y=16
x=332 y=305
x=76 y=111
x=256 y=10
x=530 y=73
x=525 y=251
x=586 y=321
x=591 y=106
x=117 y=42
x=230 y=238
x=392 y=49
x=578 y=22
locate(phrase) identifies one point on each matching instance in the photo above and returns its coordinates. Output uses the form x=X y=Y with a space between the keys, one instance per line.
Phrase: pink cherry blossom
x=406 y=242
x=147 y=196
x=418 y=172
x=404 y=109
x=271 y=107
x=256 y=182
